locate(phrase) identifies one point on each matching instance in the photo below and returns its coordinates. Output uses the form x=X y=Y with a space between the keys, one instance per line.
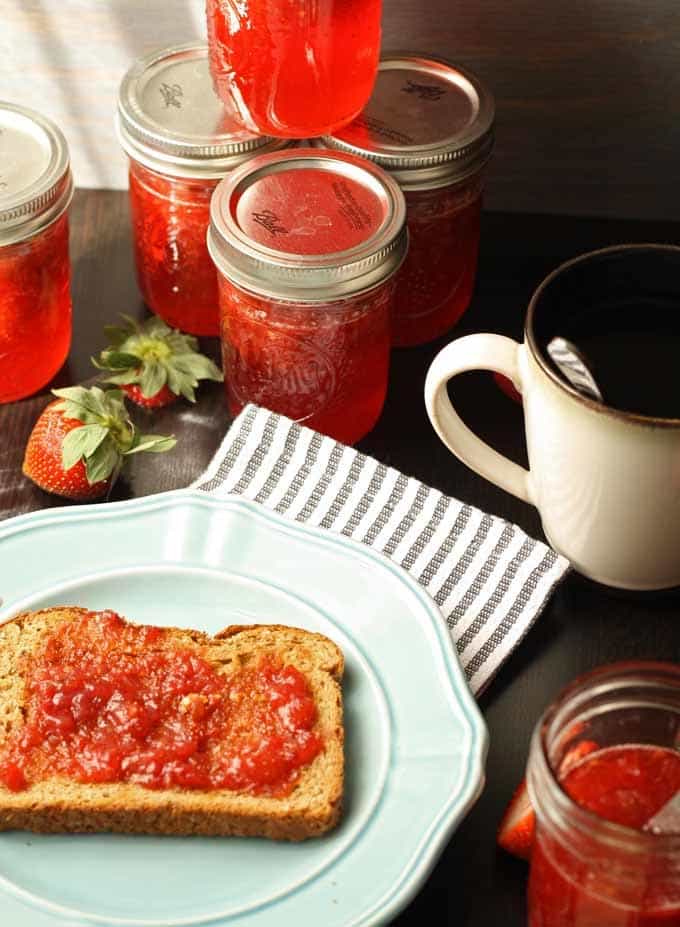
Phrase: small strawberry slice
x=508 y=387
x=516 y=831
x=79 y=443
x=154 y=364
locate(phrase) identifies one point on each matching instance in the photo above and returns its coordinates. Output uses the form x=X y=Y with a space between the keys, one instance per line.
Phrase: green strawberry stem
x=107 y=435
x=153 y=355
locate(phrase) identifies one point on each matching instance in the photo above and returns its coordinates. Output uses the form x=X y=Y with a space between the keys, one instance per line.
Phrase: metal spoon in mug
x=573 y=366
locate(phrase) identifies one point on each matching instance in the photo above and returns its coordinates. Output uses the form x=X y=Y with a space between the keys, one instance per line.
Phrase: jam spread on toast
x=108 y=701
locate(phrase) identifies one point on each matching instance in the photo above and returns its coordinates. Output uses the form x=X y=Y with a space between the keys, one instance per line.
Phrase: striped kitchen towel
x=489 y=578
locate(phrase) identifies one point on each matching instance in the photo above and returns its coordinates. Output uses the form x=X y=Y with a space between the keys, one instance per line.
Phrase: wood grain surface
x=588 y=92
x=584 y=625
x=588 y=97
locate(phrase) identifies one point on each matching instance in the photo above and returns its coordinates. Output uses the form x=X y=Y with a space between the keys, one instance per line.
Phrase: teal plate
x=415 y=741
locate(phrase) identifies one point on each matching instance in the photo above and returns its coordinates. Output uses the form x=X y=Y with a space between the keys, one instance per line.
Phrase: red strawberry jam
x=435 y=285
x=176 y=276
x=294 y=69
x=181 y=140
x=35 y=271
x=430 y=125
x=627 y=785
x=325 y=365
x=35 y=310
x=108 y=701
x=307 y=243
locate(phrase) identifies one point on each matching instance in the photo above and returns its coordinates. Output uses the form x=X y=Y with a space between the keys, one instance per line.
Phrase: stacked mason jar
x=310 y=260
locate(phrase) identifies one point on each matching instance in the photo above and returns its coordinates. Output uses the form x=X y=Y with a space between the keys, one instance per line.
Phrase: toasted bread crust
x=62 y=805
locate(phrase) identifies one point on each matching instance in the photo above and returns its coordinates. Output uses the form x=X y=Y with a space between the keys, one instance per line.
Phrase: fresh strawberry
x=153 y=363
x=79 y=443
x=43 y=460
x=516 y=831
x=164 y=397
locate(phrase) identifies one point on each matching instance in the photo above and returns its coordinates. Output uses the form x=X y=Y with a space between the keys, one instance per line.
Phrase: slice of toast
x=63 y=805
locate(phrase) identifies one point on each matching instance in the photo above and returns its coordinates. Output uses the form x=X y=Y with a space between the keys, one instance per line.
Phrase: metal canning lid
x=308 y=225
x=427 y=122
x=171 y=120
x=35 y=178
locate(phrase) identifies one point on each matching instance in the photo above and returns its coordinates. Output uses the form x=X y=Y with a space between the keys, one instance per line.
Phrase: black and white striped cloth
x=489 y=578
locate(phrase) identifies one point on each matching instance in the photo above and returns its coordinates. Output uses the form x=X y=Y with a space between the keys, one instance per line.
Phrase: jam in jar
x=35 y=271
x=181 y=140
x=294 y=68
x=307 y=243
x=601 y=858
x=429 y=125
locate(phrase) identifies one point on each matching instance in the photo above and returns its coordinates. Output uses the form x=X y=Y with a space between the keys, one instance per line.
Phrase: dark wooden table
x=583 y=626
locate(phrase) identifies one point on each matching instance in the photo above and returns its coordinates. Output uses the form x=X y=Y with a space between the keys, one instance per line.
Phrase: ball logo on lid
x=306 y=222
x=171 y=94
x=269 y=221
x=424 y=91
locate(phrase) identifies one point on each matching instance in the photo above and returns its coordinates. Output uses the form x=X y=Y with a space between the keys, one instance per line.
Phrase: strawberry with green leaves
x=154 y=364
x=81 y=440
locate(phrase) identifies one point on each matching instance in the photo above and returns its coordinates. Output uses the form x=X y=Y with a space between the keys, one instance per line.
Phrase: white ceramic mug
x=606 y=482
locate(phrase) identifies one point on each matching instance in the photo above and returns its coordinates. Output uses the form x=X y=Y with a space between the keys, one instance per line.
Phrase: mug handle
x=475 y=352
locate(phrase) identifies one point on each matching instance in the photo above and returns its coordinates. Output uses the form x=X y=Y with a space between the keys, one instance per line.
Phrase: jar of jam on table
x=603 y=767
x=430 y=125
x=294 y=68
x=307 y=244
x=181 y=141
x=35 y=272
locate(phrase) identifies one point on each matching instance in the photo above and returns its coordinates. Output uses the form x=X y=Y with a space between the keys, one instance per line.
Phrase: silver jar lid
x=35 y=179
x=427 y=122
x=171 y=120
x=308 y=225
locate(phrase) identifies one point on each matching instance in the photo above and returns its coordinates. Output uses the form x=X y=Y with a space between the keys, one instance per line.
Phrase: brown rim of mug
x=601 y=407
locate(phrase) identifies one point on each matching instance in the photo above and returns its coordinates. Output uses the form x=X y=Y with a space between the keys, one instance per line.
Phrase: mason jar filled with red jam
x=604 y=770
x=294 y=68
x=181 y=140
x=429 y=125
x=307 y=244
x=35 y=271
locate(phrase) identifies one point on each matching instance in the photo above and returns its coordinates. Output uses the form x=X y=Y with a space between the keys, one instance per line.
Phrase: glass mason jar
x=181 y=140
x=294 y=68
x=429 y=125
x=611 y=741
x=35 y=271
x=307 y=244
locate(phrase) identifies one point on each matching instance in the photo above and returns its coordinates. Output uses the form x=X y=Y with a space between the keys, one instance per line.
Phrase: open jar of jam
x=181 y=140
x=294 y=68
x=603 y=766
x=429 y=125
x=307 y=243
x=35 y=272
